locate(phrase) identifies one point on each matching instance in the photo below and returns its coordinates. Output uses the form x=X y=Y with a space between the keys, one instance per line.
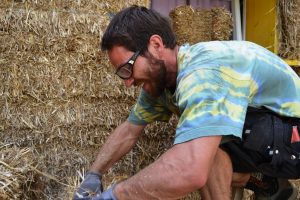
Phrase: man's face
x=136 y=69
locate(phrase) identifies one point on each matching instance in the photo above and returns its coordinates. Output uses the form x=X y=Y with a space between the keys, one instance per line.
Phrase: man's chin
x=156 y=93
x=153 y=93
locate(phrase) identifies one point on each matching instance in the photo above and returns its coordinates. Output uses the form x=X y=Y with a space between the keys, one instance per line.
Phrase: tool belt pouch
x=270 y=135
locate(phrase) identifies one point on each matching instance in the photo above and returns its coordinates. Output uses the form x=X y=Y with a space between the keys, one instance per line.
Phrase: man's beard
x=158 y=75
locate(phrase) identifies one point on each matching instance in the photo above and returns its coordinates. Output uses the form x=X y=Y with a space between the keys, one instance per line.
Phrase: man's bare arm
x=120 y=142
x=179 y=171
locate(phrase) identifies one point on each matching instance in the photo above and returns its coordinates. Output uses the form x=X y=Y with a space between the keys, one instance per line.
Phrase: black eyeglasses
x=125 y=71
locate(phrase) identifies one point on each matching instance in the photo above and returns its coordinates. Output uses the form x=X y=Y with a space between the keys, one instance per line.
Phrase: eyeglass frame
x=130 y=62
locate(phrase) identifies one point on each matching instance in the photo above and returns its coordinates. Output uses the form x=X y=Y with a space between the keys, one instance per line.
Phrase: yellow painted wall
x=261 y=23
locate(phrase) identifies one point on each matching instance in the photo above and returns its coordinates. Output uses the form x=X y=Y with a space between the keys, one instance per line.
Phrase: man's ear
x=156 y=46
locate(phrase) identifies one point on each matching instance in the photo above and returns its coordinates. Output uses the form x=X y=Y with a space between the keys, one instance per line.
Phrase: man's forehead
x=119 y=55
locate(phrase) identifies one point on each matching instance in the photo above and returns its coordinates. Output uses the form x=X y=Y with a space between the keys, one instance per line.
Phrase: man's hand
x=90 y=187
x=107 y=195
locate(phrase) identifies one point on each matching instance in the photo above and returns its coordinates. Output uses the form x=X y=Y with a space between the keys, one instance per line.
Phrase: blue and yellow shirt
x=216 y=82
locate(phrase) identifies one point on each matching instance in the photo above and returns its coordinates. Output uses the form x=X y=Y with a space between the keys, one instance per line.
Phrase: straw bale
x=222 y=24
x=80 y=145
x=79 y=5
x=198 y=25
x=85 y=140
x=16 y=173
x=288 y=27
x=28 y=113
x=41 y=23
x=191 y=25
x=79 y=70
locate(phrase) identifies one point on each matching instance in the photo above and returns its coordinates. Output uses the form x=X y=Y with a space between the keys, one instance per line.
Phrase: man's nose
x=129 y=82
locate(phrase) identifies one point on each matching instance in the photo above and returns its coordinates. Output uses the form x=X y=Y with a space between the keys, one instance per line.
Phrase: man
x=210 y=86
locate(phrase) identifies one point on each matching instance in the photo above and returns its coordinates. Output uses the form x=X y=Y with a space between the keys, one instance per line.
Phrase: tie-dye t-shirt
x=216 y=82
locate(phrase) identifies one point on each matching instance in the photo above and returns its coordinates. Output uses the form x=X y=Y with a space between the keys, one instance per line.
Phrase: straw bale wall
x=198 y=25
x=288 y=27
x=59 y=98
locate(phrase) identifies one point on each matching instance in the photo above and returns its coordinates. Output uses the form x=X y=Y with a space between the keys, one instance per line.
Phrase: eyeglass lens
x=125 y=71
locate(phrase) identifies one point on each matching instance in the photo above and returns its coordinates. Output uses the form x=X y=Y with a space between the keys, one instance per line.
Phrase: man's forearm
x=120 y=142
x=181 y=170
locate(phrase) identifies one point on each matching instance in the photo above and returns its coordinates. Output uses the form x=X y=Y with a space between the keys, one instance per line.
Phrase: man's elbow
x=197 y=178
x=188 y=174
x=192 y=175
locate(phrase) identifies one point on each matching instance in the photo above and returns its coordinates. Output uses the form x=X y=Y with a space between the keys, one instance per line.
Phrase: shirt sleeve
x=148 y=109
x=211 y=103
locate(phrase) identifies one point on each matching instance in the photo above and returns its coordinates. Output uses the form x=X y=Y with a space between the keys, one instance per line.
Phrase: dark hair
x=133 y=26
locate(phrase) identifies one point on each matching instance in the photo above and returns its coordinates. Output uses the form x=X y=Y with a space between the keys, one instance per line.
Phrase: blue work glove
x=90 y=187
x=107 y=195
